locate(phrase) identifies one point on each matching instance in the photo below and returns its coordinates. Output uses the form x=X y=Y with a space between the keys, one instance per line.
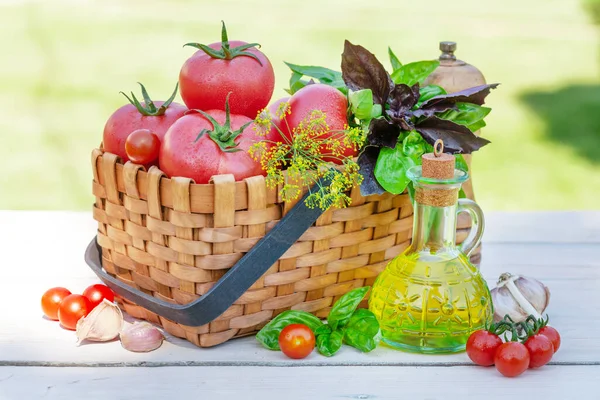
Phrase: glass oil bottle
x=431 y=298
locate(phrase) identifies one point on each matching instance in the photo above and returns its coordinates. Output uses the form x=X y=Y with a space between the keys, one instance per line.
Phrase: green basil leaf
x=391 y=168
x=322 y=330
x=461 y=163
x=465 y=114
x=361 y=103
x=343 y=308
x=329 y=343
x=476 y=126
x=323 y=75
x=396 y=64
x=376 y=111
x=414 y=146
x=415 y=72
x=268 y=336
x=362 y=331
x=429 y=92
x=462 y=194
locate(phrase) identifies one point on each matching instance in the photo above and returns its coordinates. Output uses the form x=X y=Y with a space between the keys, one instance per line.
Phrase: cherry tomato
x=296 y=341
x=551 y=334
x=72 y=308
x=51 y=300
x=512 y=359
x=482 y=346
x=142 y=146
x=96 y=293
x=540 y=350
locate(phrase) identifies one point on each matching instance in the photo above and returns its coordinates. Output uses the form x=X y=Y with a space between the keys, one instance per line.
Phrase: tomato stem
x=226 y=52
x=149 y=108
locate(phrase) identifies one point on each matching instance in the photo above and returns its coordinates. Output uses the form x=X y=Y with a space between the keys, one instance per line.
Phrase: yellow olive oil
x=430 y=303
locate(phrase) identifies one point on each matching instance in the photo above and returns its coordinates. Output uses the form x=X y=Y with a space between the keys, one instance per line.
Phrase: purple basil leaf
x=362 y=70
x=434 y=109
x=383 y=133
x=366 y=161
x=457 y=139
x=402 y=99
x=475 y=95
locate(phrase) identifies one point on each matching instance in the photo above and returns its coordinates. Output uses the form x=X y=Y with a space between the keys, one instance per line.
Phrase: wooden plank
x=550 y=382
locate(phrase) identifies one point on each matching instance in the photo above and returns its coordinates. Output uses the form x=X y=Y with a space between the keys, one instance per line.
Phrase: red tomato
x=72 y=309
x=182 y=155
x=142 y=146
x=512 y=359
x=318 y=97
x=96 y=293
x=274 y=107
x=482 y=346
x=155 y=116
x=540 y=350
x=551 y=334
x=213 y=71
x=51 y=300
x=296 y=341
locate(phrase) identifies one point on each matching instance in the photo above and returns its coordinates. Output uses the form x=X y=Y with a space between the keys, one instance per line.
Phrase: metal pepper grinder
x=455 y=75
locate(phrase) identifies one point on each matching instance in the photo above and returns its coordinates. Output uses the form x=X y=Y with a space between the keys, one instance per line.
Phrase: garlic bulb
x=141 y=337
x=102 y=324
x=519 y=297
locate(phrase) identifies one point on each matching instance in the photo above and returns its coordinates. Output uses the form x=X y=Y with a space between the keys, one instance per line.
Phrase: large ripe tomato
x=321 y=97
x=296 y=341
x=155 y=116
x=72 y=309
x=540 y=350
x=98 y=292
x=221 y=149
x=482 y=346
x=512 y=359
x=142 y=146
x=551 y=334
x=51 y=300
x=215 y=70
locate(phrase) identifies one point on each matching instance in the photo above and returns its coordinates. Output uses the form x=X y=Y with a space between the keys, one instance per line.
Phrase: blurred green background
x=64 y=63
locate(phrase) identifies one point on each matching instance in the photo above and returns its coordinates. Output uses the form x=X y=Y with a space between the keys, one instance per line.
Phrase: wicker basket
x=173 y=240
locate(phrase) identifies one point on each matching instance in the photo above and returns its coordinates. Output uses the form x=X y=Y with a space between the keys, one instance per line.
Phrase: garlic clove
x=102 y=324
x=534 y=291
x=505 y=304
x=141 y=337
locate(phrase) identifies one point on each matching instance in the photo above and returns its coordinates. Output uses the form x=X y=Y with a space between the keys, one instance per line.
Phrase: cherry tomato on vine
x=51 y=300
x=296 y=341
x=512 y=359
x=142 y=146
x=72 y=308
x=551 y=334
x=96 y=293
x=540 y=350
x=482 y=346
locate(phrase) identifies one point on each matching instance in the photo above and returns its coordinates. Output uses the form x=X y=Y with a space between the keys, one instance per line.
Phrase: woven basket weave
x=173 y=239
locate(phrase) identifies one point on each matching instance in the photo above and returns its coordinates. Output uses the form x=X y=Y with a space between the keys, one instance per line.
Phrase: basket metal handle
x=232 y=285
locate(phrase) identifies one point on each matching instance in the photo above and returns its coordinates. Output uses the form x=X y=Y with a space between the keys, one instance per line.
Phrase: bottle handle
x=476 y=232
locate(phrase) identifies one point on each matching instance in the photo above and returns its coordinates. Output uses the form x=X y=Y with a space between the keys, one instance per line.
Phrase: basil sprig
x=345 y=324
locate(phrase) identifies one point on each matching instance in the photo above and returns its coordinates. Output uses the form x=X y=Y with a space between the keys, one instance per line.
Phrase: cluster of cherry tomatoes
x=59 y=304
x=224 y=86
x=532 y=348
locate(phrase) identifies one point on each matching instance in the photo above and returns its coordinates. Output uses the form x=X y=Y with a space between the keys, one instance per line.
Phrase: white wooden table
x=38 y=359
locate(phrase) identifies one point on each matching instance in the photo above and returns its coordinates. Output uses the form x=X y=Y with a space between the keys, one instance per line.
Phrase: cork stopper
x=438 y=165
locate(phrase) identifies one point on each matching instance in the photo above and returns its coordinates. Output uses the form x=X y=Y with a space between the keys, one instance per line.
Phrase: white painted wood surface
x=38 y=359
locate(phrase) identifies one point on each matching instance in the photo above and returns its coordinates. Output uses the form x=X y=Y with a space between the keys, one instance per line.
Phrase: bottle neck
x=434 y=228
